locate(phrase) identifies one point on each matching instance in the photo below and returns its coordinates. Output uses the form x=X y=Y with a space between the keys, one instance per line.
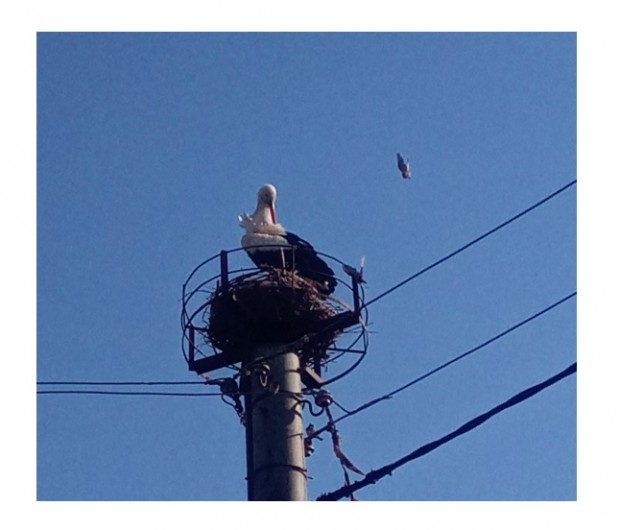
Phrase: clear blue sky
x=150 y=145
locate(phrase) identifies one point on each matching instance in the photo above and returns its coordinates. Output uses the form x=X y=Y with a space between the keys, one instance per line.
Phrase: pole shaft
x=277 y=467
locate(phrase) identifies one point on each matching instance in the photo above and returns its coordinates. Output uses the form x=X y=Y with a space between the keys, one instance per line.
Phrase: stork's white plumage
x=269 y=244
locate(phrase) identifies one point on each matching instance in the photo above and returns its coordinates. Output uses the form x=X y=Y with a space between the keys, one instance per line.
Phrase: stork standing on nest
x=269 y=244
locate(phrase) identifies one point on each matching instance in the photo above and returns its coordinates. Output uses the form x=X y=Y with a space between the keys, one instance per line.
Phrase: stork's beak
x=272 y=210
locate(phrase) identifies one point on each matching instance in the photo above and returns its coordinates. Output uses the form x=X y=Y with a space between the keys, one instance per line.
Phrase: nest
x=273 y=306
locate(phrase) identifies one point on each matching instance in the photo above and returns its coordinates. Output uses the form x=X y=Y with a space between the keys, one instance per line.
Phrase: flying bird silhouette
x=403 y=166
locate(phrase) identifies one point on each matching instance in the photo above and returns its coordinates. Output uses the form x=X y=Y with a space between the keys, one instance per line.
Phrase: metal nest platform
x=227 y=311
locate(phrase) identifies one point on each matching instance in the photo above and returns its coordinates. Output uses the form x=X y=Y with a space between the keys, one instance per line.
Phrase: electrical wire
x=119 y=383
x=129 y=393
x=389 y=395
x=373 y=476
x=471 y=243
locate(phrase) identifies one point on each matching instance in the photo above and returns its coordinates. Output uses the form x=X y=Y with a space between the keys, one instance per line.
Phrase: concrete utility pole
x=274 y=431
x=279 y=327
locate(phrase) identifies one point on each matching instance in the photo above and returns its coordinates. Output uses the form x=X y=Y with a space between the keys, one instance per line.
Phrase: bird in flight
x=403 y=166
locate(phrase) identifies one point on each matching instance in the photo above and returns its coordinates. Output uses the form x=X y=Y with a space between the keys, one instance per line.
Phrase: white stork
x=269 y=244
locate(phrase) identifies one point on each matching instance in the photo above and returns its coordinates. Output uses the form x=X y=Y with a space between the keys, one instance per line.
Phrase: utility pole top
x=279 y=328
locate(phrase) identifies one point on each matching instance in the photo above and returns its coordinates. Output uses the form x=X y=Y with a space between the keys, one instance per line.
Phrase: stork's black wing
x=308 y=264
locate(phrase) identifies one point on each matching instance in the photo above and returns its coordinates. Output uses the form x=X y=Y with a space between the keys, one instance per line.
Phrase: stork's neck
x=262 y=215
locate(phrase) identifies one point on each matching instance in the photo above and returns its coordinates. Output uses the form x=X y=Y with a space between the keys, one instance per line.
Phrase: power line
x=471 y=243
x=448 y=363
x=120 y=383
x=374 y=476
x=129 y=393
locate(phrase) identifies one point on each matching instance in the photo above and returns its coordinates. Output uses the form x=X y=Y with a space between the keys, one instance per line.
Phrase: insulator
x=308 y=447
x=229 y=387
x=323 y=398
x=263 y=369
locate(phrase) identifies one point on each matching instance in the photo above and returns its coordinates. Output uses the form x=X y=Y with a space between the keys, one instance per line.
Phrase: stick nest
x=271 y=306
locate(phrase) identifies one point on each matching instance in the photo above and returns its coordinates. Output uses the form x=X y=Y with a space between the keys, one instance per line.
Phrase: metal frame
x=196 y=303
